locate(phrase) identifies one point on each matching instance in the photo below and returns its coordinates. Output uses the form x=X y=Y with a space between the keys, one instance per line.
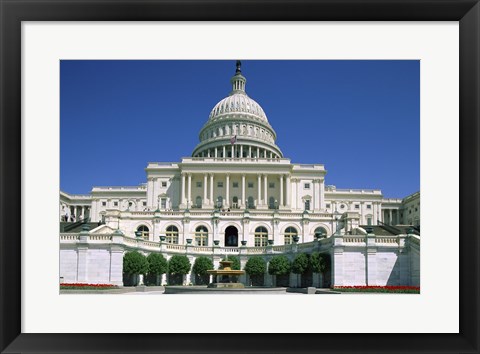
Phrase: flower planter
x=189 y=241
x=216 y=242
x=244 y=243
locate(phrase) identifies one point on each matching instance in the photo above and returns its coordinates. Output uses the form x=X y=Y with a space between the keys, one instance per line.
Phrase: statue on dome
x=239 y=66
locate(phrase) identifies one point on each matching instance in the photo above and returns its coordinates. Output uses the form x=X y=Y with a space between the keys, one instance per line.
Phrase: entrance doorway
x=231 y=236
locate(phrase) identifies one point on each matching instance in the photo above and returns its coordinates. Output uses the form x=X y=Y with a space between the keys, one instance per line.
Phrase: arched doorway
x=231 y=236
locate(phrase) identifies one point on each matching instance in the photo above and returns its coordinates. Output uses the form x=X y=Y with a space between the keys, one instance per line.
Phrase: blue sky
x=361 y=119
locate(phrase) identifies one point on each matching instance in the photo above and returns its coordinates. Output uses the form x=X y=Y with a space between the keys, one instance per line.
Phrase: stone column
x=241 y=151
x=250 y=151
x=233 y=151
x=390 y=219
x=224 y=152
x=211 y=189
x=205 y=199
x=289 y=191
x=227 y=190
x=216 y=152
x=281 y=191
x=322 y=194
x=189 y=196
x=182 y=187
x=259 y=194
x=244 y=202
x=265 y=189
x=116 y=265
x=82 y=213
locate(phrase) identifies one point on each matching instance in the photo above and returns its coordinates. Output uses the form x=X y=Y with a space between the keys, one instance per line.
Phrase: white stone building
x=237 y=194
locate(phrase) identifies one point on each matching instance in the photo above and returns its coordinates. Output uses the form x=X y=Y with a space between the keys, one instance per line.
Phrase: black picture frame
x=13 y=12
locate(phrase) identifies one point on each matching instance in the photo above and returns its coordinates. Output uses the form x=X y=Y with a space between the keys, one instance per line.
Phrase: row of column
x=187 y=181
x=78 y=212
x=235 y=150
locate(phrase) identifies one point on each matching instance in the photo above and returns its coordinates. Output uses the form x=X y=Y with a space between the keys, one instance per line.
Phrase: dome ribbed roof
x=238 y=103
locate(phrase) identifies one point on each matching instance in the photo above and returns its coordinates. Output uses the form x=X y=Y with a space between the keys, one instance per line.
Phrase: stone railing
x=387 y=239
x=353 y=239
x=318 y=245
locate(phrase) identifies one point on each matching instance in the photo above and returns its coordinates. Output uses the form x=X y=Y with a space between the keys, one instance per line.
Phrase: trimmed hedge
x=279 y=265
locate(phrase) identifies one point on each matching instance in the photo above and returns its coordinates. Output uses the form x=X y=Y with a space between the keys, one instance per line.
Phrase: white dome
x=238 y=103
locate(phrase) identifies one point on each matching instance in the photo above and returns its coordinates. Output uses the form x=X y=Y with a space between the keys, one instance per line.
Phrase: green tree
x=236 y=262
x=320 y=263
x=201 y=265
x=255 y=266
x=134 y=263
x=279 y=265
x=179 y=264
x=157 y=265
x=300 y=264
x=199 y=269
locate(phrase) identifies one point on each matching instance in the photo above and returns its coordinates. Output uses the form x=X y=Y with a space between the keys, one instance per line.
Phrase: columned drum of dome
x=237 y=127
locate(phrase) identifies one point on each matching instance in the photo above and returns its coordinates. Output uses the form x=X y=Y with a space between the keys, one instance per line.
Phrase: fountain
x=226 y=277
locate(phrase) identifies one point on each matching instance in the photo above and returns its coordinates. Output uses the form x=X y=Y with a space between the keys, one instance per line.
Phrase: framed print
x=54 y=52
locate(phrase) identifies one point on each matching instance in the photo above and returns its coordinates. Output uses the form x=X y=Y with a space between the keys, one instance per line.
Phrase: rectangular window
x=199 y=184
x=104 y=203
x=163 y=203
x=235 y=184
x=164 y=184
x=115 y=203
x=369 y=221
x=357 y=206
x=327 y=206
x=369 y=206
x=271 y=185
x=307 y=205
x=250 y=184
x=261 y=240
x=220 y=184
x=144 y=203
x=306 y=186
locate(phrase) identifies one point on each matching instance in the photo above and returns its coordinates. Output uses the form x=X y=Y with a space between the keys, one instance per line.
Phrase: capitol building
x=237 y=194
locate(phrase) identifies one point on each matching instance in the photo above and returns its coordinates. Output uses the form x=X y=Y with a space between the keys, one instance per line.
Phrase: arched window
x=143 y=231
x=261 y=236
x=171 y=234
x=289 y=234
x=320 y=232
x=201 y=236
x=198 y=202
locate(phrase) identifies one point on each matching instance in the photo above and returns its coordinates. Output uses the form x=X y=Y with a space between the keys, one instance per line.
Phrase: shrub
x=179 y=264
x=134 y=263
x=255 y=266
x=279 y=265
x=201 y=265
x=157 y=264
x=236 y=262
x=320 y=263
x=301 y=264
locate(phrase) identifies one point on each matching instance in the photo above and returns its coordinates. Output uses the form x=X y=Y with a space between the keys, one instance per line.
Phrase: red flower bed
x=379 y=289
x=81 y=286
